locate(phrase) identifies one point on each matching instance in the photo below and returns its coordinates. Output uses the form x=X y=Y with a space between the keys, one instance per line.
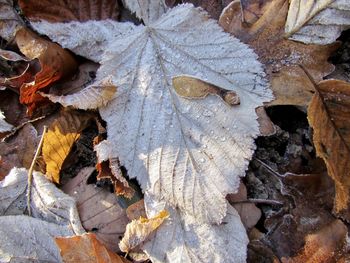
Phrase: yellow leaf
x=85 y=248
x=59 y=140
x=137 y=231
x=329 y=114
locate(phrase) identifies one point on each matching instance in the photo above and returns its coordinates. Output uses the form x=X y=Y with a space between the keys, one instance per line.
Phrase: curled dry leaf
x=27 y=239
x=139 y=230
x=47 y=201
x=65 y=11
x=85 y=248
x=19 y=151
x=99 y=210
x=328 y=114
x=328 y=244
x=55 y=62
x=9 y=20
x=265 y=33
x=317 y=21
x=59 y=139
x=91 y=97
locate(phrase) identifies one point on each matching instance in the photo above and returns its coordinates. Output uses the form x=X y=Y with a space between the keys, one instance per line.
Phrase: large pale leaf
x=317 y=21
x=26 y=239
x=190 y=152
x=47 y=201
x=328 y=115
x=182 y=239
x=9 y=20
x=147 y=10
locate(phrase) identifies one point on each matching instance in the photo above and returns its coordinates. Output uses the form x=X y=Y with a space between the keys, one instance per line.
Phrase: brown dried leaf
x=136 y=210
x=56 y=63
x=326 y=245
x=65 y=11
x=328 y=114
x=18 y=152
x=248 y=212
x=266 y=126
x=138 y=231
x=265 y=35
x=85 y=248
x=99 y=209
x=59 y=140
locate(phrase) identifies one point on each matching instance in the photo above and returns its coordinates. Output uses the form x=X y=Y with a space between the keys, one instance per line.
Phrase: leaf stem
x=30 y=172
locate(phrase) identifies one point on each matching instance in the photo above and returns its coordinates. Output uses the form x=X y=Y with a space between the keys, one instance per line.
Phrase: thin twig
x=16 y=129
x=259 y=201
x=30 y=172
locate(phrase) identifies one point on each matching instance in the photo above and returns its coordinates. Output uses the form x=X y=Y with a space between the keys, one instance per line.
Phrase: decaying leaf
x=99 y=210
x=328 y=115
x=136 y=210
x=64 y=11
x=4 y=126
x=55 y=62
x=266 y=126
x=9 y=20
x=264 y=31
x=59 y=139
x=328 y=244
x=85 y=248
x=317 y=21
x=27 y=239
x=182 y=239
x=47 y=201
x=18 y=152
x=139 y=230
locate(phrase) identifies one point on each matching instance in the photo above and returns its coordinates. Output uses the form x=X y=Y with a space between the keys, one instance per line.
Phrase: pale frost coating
x=147 y=10
x=182 y=239
x=189 y=153
x=317 y=21
x=4 y=126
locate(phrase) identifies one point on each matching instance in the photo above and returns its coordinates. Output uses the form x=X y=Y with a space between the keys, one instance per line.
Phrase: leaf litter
x=185 y=229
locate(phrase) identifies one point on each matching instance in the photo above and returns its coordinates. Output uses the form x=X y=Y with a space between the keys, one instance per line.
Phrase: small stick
x=259 y=201
x=30 y=172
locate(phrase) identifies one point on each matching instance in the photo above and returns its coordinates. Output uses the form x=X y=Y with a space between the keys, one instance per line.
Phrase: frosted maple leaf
x=188 y=153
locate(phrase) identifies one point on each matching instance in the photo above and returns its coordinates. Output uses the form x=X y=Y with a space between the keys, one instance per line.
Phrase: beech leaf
x=328 y=114
x=317 y=21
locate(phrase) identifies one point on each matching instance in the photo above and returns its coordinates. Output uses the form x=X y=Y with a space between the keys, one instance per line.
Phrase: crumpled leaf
x=55 y=62
x=85 y=248
x=139 y=230
x=59 y=139
x=317 y=21
x=263 y=30
x=147 y=10
x=47 y=201
x=87 y=98
x=18 y=152
x=9 y=20
x=204 y=139
x=99 y=210
x=64 y=11
x=328 y=244
x=328 y=115
x=182 y=239
x=4 y=126
x=27 y=239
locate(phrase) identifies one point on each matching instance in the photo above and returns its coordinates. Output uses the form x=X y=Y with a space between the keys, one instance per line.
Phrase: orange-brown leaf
x=325 y=245
x=65 y=11
x=85 y=248
x=59 y=140
x=329 y=115
x=56 y=63
x=264 y=32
